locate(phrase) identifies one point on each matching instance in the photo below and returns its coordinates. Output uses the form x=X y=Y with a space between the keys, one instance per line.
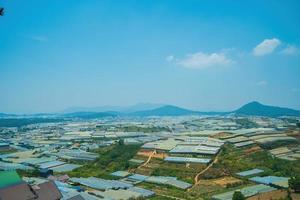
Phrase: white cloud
x=266 y=47
x=201 y=60
x=262 y=83
x=290 y=50
x=170 y=58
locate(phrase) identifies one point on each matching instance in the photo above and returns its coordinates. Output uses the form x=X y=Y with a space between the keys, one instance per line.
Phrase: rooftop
x=8 y=178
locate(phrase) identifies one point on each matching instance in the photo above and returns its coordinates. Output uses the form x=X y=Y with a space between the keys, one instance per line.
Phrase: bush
x=238 y=196
x=294 y=184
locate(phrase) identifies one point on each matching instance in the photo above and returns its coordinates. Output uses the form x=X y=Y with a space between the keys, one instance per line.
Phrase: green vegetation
x=237 y=195
x=110 y=159
x=138 y=198
x=28 y=173
x=275 y=144
x=26 y=121
x=165 y=190
x=294 y=183
x=157 y=197
x=228 y=165
x=246 y=123
x=181 y=171
x=7 y=151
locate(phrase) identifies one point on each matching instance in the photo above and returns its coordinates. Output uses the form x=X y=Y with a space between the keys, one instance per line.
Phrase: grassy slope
x=110 y=159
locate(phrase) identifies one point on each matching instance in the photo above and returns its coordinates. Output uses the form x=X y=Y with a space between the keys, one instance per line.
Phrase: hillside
x=253 y=108
x=258 y=109
x=167 y=110
x=89 y=115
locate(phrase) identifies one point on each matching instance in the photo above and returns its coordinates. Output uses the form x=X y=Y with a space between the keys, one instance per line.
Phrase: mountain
x=92 y=109
x=89 y=115
x=142 y=106
x=258 y=109
x=7 y=115
x=3 y=115
x=167 y=110
x=124 y=109
x=145 y=110
x=252 y=108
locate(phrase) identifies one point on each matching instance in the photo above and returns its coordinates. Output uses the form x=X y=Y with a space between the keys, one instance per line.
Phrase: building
x=12 y=187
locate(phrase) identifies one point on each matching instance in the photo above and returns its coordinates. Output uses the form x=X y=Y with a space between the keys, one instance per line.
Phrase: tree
x=237 y=195
x=294 y=183
x=121 y=142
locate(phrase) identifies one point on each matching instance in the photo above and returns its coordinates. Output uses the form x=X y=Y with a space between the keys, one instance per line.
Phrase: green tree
x=121 y=142
x=294 y=183
x=238 y=196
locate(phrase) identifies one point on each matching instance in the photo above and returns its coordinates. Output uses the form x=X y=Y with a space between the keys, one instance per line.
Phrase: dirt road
x=148 y=160
x=197 y=177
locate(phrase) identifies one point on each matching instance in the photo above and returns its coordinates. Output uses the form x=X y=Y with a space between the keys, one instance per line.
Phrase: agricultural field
x=110 y=159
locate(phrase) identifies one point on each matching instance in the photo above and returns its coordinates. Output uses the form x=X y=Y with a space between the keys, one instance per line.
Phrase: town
x=149 y=100
x=169 y=157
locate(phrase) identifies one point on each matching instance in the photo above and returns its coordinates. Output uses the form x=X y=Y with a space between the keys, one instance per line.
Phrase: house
x=12 y=187
x=20 y=191
x=47 y=191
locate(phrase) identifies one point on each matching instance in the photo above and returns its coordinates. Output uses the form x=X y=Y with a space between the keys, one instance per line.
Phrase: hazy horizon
x=131 y=108
x=193 y=54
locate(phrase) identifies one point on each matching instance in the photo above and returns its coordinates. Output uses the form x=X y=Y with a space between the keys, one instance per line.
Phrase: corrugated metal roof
x=187 y=160
x=168 y=180
x=179 y=184
x=195 y=150
x=120 y=173
x=243 y=144
x=101 y=184
x=250 y=172
x=36 y=161
x=246 y=191
x=51 y=164
x=237 y=139
x=142 y=191
x=19 y=191
x=138 y=177
x=268 y=179
x=65 y=167
x=159 y=179
x=13 y=166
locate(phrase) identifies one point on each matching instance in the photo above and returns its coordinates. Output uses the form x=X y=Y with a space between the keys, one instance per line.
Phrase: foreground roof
x=8 y=178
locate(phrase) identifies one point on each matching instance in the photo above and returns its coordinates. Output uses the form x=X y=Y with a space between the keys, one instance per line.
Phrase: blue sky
x=201 y=55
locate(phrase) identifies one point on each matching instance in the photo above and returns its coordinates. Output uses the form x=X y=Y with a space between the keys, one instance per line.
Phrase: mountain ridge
x=256 y=108
x=253 y=108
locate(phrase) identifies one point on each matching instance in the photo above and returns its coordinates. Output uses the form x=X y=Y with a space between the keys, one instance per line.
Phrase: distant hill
x=258 y=109
x=141 y=107
x=6 y=115
x=167 y=110
x=124 y=109
x=89 y=115
x=146 y=110
x=17 y=122
x=2 y=115
x=252 y=108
